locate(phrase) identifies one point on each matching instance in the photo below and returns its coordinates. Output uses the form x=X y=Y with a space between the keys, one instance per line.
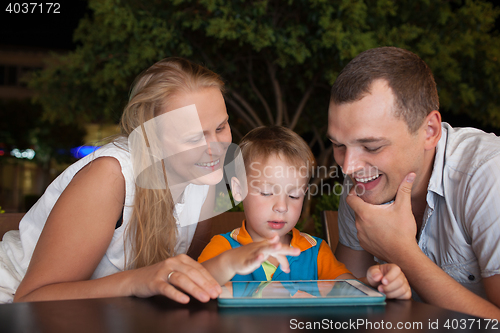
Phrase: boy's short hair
x=265 y=141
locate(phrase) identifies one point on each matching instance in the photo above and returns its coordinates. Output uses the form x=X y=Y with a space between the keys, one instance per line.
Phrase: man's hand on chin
x=386 y=231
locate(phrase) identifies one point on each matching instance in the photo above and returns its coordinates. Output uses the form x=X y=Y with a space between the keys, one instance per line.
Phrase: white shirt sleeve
x=482 y=216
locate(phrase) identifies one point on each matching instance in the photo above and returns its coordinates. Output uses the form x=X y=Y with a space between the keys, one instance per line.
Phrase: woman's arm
x=76 y=237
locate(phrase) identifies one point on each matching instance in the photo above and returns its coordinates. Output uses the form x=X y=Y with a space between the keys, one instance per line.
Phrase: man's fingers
x=404 y=191
x=355 y=202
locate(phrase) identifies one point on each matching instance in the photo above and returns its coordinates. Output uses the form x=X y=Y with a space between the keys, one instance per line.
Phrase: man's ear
x=236 y=189
x=432 y=127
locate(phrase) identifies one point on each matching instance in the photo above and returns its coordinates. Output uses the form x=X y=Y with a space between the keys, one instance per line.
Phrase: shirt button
x=472 y=277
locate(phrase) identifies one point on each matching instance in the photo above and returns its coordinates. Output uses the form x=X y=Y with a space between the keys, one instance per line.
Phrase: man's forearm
x=357 y=262
x=436 y=287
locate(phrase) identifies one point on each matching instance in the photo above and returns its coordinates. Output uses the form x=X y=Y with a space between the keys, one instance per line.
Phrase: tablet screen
x=289 y=292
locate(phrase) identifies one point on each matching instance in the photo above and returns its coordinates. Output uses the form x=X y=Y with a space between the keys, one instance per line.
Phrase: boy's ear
x=236 y=189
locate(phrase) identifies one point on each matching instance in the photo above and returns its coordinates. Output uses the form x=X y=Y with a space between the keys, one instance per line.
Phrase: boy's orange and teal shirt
x=315 y=262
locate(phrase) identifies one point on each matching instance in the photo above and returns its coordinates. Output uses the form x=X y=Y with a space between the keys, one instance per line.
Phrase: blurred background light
x=83 y=151
x=27 y=154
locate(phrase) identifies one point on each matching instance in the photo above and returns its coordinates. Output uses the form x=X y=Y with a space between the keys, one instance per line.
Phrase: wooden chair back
x=219 y=224
x=329 y=218
x=9 y=221
x=226 y=222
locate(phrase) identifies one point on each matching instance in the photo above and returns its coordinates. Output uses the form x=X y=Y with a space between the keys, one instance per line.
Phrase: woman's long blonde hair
x=152 y=232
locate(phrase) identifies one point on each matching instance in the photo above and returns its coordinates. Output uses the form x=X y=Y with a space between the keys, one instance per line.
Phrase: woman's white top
x=17 y=246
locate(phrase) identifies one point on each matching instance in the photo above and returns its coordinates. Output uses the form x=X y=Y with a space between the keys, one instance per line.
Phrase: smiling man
x=424 y=195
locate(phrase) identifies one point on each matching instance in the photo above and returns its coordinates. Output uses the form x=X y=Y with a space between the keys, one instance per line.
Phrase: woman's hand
x=174 y=278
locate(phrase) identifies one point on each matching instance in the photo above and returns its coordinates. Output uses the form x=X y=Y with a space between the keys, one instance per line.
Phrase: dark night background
x=55 y=31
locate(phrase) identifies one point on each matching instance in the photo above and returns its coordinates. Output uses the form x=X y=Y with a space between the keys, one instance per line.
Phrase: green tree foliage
x=328 y=201
x=275 y=55
x=278 y=57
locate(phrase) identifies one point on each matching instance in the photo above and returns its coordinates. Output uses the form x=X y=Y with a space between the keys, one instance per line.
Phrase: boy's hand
x=246 y=259
x=390 y=280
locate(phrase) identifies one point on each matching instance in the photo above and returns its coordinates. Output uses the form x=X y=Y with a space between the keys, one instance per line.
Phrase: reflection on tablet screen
x=292 y=289
x=342 y=288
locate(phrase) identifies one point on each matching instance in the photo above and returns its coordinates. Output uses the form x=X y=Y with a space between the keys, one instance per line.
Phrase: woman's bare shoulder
x=103 y=169
x=99 y=183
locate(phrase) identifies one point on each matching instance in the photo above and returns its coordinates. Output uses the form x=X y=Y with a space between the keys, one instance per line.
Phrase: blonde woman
x=102 y=230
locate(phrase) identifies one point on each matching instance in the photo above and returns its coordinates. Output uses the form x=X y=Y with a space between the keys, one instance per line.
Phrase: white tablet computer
x=298 y=293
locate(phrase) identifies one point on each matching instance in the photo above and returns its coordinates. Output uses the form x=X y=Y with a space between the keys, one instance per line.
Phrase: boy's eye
x=265 y=194
x=296 y=195
x=335 y=145
x=372 y=150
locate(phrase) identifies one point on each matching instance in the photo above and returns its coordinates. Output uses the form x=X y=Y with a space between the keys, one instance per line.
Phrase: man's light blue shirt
x=461 y=225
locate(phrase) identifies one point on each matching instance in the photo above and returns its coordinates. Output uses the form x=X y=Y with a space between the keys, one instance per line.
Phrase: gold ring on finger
x=169 y=275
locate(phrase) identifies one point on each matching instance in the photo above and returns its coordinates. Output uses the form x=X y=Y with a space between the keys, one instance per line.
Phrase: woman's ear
x=236 y=189
x=432 y=130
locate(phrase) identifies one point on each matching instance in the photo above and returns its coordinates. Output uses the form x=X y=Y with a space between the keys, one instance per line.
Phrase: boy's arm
x=211 y=258
x=217 y=245
x=246 y=259
x=329 y=267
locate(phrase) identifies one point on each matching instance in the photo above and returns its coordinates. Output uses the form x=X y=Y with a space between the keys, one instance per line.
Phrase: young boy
x=278 y=164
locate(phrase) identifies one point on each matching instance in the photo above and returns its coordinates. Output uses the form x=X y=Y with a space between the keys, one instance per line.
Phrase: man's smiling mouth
x=366 y=179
